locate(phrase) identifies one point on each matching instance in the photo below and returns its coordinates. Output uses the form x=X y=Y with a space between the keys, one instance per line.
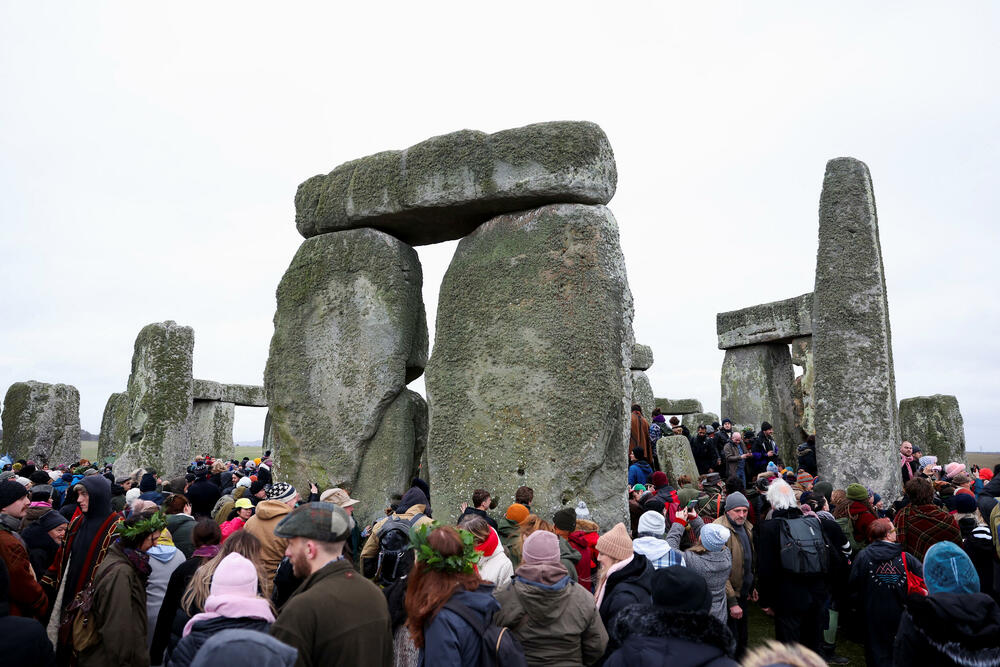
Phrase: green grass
x=760 y=628
x=88 y=450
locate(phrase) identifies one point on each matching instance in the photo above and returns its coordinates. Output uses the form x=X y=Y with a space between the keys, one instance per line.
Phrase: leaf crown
x=151 y=524
x=462 y=563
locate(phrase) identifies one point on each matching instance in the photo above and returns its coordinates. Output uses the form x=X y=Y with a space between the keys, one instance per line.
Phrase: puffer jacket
x=652 y=636
x=449 y=639
x=554 y=619
x=630 y=585
x=495 y=567
x=181 y=527
x=948 y=629
x=261 y=525
x=202 y=631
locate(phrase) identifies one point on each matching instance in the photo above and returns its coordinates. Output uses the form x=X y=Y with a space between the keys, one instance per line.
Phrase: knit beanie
x=927 y=461
x=737 y=499
x=131 y=496
x=823 y=488
x=565 y=519
x=255 y=486
x=147 y=483
x=677 y=588
x=244 y=482
x=772 y=466
x=765 y=426
x=51 y=519
x=985 y=474
x=953 y=469
x=714 y=536
x=659 y=479
x=652 y=523
x=281 y=491
x=615 y=543
x=948 y=569
x=964 y=503
x=857 y=492
x=540 y=547
x=803 y=477
x=582 y=512
x=11 y=492
x=517 y=513
x=235 y=576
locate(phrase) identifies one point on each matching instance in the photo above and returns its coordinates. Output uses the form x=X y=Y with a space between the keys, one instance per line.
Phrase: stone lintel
x=238 y=394
x=779 y=321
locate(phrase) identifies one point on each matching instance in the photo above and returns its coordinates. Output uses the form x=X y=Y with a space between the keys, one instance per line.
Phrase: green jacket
x=336 y=617
x=569 y=557
x=509 y=531
x=119 y=609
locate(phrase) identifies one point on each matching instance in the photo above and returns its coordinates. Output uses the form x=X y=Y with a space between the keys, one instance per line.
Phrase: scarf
x=488 y=547
x=206 y=551
x=231 y=606
x=903 y=460
x=140 y=561
x=604 y=580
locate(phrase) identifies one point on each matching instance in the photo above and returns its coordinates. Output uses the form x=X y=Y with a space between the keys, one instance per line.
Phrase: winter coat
x=119 y=610
x=231 y=526
x=26 y=595
x=861 y=517
x=713 y=566
x=569 y=557
x=172 y=617
x=244 y=647
x=495 y=568
x=705 y=454
x=732 y=454
x=202 y=631
x=449 y=639
x=509 y=531
x=652 y=636
x=978 y=544
x=203 y=494
x=639 y=436
x=22 y=640
x=371 y=548
x=261 y=525
x=554 y=619
x=639 y=473
x=630 y=585
x=948 y=629
x=583 y=544
x=181 y=527
x=163 y=559
x=878 y=589
x=336 y=617
x=920 y=526
x=734 y=586
x=480 y=513
x=41 y=548
x=785 y=592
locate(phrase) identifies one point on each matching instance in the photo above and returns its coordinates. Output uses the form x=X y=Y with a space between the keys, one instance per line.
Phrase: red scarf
x=490 y=545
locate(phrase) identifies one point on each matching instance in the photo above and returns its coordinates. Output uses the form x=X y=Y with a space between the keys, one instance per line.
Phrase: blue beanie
x=947 y=569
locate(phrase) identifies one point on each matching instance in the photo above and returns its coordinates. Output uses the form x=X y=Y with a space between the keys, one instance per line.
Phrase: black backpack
x=393 y=542
x=803 y=546
x=500 y=648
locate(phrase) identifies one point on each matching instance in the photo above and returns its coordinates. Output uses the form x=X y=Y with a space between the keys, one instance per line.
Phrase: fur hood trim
x=775 y=653
x=651 y=621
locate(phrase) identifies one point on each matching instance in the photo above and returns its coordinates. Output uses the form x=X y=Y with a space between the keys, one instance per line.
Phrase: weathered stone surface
x=692 y=420
x=642 y=393
x=392 y=457
x=857 y=423
x=212 y=428
x=160 y=400
x=239 y=394
x=348 y=313
x=443 y=188
x=802 y=389
x=676 y=459
x=679 y=406
x=114 y=426
x=41 y=422
x=642 y=357
x=934 y=423
x=267 y=440
x=757 y=386
x=779 y=321
x=533 y=342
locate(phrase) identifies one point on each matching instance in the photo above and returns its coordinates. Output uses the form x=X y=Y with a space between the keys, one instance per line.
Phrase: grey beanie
x=735 y=500
x=714 y=537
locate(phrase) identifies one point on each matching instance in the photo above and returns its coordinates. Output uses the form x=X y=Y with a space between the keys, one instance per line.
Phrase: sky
x=150 y=153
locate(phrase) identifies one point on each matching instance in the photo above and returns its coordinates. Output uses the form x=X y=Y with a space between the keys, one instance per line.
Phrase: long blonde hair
x=241 y=542
x=532 y=523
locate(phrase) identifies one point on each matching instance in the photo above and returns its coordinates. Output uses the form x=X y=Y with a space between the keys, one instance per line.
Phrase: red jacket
x=584 y=543
x=862 y=517
x=26 y=595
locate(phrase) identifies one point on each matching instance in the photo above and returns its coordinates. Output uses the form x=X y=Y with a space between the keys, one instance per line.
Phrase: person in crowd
x=244 y=510
x=172 y=617
x=26 y=597
x=203 y=494
x=233 y=603
x=22 y=640
x=652 y=542
x=525 y=495
x=494 y=565
x=765 y=449
x=639 y=470
x=245 y=647
x=712 y=502
x=675 y=630
x=908 y=463
x=878 y=585
x=575 y=547
x=709 y=557
x=860 y=512
x=776 y=654
x=443 y=591
x=335 y=617
x=954 y=624
x=340 y=497
x=509 y=531
x=736 y=455
x=180 y=523
x=796 y=599
x=740 y=588
x=807 y=455
x=977 y=540
x=922 y=523
x=164 y=559
x=624 y=576
x=411 y=511
x=118 y=607
x=43 y=539
x=281 y=498
x=639 y=435
x=554 y=619
x=663 y=490
x=705 y=455
x=482 y=501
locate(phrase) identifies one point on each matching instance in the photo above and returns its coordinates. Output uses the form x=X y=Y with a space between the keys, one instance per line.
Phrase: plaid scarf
x=920 y=526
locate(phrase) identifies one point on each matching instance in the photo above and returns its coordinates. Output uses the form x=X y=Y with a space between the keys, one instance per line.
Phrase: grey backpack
x=803 y=546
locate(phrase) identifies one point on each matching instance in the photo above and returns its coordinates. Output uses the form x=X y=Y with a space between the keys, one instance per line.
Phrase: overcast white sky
x=149 y=155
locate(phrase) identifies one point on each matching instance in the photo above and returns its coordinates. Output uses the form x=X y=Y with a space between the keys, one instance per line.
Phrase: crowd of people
x=107 y=567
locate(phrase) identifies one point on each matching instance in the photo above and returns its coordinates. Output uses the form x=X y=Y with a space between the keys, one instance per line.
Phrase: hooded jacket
x=26 y=596
x=948 y=629
x=493 y=565
x=878 y=587
x=652 y=636
x=629 y=585
x=244 y=647
x=164 y=558
x=22 y=640
x=41 y=548
x=554 y=619
x=188 y=647
x=370 y=550
x=449 y=639
x=639 y=473
x=657 y=551
x=119 y=610
x=261 y=525
x=181 y=526
x=713 y=566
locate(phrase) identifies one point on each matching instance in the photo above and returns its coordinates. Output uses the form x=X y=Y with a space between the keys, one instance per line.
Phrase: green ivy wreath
x=460 y=563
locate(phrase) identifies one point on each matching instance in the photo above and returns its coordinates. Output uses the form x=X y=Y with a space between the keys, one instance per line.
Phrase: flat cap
x=326 y=522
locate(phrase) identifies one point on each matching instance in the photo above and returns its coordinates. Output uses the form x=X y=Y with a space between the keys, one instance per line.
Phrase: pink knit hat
x=235 y=576
x=953 y=469
x=540 y=547
x=615 y=543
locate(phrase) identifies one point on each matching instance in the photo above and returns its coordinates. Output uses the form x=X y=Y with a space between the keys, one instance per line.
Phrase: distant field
x=984 y=459
x=88 y=450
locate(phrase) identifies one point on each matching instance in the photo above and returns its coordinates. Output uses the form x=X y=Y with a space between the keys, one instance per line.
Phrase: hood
x=699 y=629
x=36 y=537
x=99 y=489
x=175 y=520
x=543 y=604
x=271 y=509
x=412 y=497
x=652 y=548
x=507 y=528
x=247 y=647
x=959 y=624
x=162 y=552
x=644 y=466
x=480 y=600
x=884 y=550
x=567 y=552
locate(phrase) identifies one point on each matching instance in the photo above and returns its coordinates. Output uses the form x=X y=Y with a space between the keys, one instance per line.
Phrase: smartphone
x=693 y=504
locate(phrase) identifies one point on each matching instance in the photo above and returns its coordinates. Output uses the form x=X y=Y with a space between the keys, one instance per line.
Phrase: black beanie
x=11 y=492
x=40 y=477
x=677 y=588
x=51 y=519
x=256 y=487
x=147 y=483
x=565 y=519
x=765 y=426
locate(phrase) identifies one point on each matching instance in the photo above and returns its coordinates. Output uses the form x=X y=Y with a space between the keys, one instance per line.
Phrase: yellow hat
x=256 y=461
x=243 y=503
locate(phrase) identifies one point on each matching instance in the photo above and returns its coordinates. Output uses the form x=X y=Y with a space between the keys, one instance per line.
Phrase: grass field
x=88 y=450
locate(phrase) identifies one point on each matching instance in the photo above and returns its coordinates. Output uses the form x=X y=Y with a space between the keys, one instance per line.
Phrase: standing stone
x=529 y=380
x=346 y=329
x=934 y=423
x=676 y=458
x=393 y=456
x=267 y=440
x=160 y=400
x=41 y=422
x=642 y=357
x=692 y=420
x=212 y=428
x=114 y=426
x=679 y=406
x=757 y=386
x=642 y=393
x=802 y=389
x=857 y=424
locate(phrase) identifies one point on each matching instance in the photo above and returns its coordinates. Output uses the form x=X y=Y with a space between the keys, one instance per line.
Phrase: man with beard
x=88 y=539
x=740 y=587
x=336 y=617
